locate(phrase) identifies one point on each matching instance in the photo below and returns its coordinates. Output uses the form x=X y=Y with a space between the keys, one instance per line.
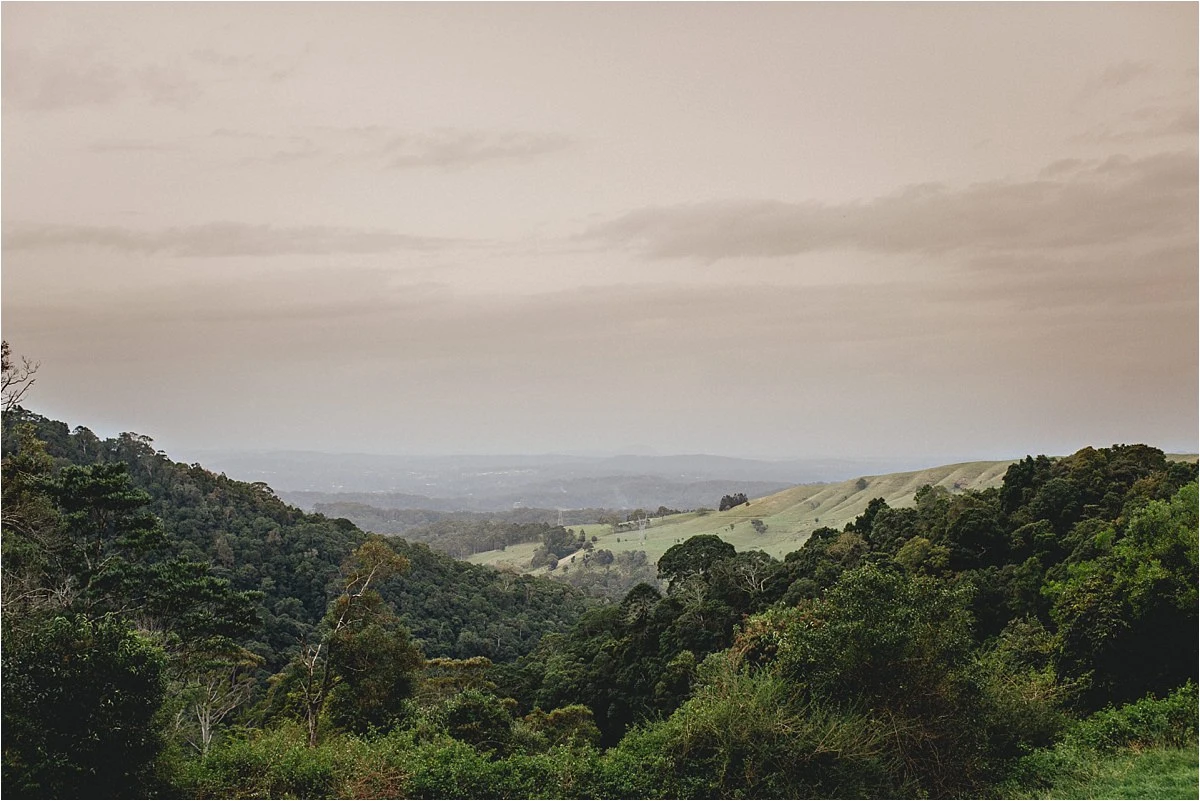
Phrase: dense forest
x=171 y=632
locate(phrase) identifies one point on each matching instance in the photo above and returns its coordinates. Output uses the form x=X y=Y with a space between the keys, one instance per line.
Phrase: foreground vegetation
x=1152 y=773
x=426 y=762
x=169 y=632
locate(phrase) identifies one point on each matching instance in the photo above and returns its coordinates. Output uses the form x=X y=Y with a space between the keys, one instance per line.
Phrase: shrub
x=1091 y=744
x=79 y=699
x=750 y=734
x=1150 y=722
x=272 y=763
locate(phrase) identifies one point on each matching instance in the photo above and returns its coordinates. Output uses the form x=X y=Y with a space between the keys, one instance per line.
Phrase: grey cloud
x=382 y=147
x=214 y=58
x=1153 y=123
x=229 y=133
x=455 y=148
x=167 y=86
x=1158 y=278
x=242 y=66
x=1123 y=73
x=1063 y=167
x=130 y=146
x=216 y=240
x=1114 y=77
x=41 y=83
x=1081 y=204
x=290 y=150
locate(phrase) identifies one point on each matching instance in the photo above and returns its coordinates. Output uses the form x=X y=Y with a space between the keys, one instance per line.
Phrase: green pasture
x=791 y=515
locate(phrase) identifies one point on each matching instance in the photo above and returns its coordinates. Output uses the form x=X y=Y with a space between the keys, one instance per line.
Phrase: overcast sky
x=786 y=230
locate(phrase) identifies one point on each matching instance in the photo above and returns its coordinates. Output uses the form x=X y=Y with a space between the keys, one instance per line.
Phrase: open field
x=791 y=515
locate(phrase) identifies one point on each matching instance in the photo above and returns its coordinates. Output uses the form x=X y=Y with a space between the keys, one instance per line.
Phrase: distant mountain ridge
x=496 y=483
x=606 y=492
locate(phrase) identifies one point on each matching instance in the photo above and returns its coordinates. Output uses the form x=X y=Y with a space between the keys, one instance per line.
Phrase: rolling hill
x=790 y=515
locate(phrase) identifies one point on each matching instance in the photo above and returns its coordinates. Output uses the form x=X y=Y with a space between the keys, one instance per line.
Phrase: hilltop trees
x=557 y=543
x=1127 y=617
x=730 y=501
x=98 y=621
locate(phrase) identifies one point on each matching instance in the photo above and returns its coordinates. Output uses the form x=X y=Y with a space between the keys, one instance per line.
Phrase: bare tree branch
x=15 y=380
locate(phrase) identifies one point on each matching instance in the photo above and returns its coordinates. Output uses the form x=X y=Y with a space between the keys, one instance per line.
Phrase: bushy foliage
x=752 y=734
x=79 y=703
x=1149 y=722
x=1128 y=616
x=277 y=763
x=271 y=763
x=730 y=501
x=1146 y=725
x=899 y=648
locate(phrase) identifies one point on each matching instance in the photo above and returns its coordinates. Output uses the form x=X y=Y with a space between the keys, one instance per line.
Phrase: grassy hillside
x=790 y=515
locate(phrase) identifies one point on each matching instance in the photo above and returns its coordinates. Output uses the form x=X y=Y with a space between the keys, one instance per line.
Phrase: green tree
x=213 y=685
x=479 y=719
x=377 y=663
x=901 y=648
x=695 y=556
x=1127 y=618
x=571 y=726
x=731 y=501
x=79 y=703
x=351 y=649
x=32 y=527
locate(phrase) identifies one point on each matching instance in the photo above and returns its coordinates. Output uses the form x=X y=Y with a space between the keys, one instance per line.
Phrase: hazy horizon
x=941 y=232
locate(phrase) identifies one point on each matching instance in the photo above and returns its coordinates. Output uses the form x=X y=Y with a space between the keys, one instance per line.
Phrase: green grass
x=791 y=515
x=1128 y=773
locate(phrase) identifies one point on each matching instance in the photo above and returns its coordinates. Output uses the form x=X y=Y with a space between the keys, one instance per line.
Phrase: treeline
x=171 y=632
x=731 y=501
x=462 y=534
x=601 y=575
x=290 y=559
x=437 y=528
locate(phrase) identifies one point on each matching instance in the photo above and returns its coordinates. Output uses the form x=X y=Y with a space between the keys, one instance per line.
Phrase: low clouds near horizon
x=215 y=240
